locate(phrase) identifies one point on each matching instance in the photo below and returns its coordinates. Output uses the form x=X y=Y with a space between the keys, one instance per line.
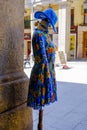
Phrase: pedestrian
x=42 y=85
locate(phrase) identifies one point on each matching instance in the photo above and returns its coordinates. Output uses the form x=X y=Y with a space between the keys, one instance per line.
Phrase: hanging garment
x=42 y=85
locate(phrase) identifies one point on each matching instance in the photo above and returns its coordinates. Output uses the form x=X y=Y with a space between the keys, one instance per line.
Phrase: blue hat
x=49 y=14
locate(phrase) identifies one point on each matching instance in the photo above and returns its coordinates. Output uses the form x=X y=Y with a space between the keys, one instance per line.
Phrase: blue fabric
x=42 y=84
x=48 y=13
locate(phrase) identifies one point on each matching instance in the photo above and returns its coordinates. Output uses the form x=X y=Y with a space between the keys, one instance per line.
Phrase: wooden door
x=85 y=45
x=29 y=47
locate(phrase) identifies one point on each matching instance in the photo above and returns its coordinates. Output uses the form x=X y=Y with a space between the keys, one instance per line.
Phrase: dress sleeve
x=41 y=57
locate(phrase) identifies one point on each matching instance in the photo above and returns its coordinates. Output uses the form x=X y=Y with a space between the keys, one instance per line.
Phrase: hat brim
x=42 y=15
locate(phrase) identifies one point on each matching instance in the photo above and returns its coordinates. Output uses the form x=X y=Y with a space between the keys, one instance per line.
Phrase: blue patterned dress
x=42 y=84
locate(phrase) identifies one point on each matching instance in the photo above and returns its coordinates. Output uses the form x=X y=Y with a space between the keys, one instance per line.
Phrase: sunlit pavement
x=70 y=111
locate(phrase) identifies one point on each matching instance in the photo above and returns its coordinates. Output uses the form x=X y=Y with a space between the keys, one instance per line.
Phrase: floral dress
x=42 y=85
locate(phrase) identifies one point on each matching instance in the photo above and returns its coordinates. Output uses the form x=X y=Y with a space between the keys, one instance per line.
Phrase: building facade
x=71 y=37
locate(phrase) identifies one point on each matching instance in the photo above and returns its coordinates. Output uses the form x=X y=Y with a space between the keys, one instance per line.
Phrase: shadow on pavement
x=69 y=112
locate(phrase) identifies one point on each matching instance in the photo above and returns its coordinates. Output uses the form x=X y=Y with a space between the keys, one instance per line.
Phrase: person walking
x=42 y=85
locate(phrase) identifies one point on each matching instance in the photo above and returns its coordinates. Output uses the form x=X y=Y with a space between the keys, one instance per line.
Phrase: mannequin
x=42 y=86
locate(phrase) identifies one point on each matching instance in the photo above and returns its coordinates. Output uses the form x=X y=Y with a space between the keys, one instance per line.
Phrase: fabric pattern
x=42 y=85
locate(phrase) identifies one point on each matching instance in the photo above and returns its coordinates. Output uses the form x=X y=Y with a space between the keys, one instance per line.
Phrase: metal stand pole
x=40 y=125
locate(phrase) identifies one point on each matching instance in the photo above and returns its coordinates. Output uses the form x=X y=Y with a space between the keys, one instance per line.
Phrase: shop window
x=85 y=16
x=72 y=17
x=27 y=22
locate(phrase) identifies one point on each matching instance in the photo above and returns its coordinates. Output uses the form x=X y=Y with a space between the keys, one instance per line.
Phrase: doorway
x=84 y=44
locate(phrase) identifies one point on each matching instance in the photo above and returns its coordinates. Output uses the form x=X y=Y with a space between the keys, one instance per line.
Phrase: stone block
x=19 y=118
x=13 y=90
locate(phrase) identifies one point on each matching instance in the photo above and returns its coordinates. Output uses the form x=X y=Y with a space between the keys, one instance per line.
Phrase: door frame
x=84 y=48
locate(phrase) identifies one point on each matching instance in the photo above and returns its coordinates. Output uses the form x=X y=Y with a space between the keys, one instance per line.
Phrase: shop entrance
x=84 y=44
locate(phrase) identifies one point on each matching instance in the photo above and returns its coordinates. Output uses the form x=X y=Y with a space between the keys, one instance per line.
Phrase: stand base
x=40 y=119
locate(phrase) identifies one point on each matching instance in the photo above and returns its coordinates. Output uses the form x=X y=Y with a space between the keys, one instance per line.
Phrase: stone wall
x=77 y=5
x=14 y=113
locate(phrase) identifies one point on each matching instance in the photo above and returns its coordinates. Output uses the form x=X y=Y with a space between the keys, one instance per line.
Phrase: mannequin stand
x=40 y=125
